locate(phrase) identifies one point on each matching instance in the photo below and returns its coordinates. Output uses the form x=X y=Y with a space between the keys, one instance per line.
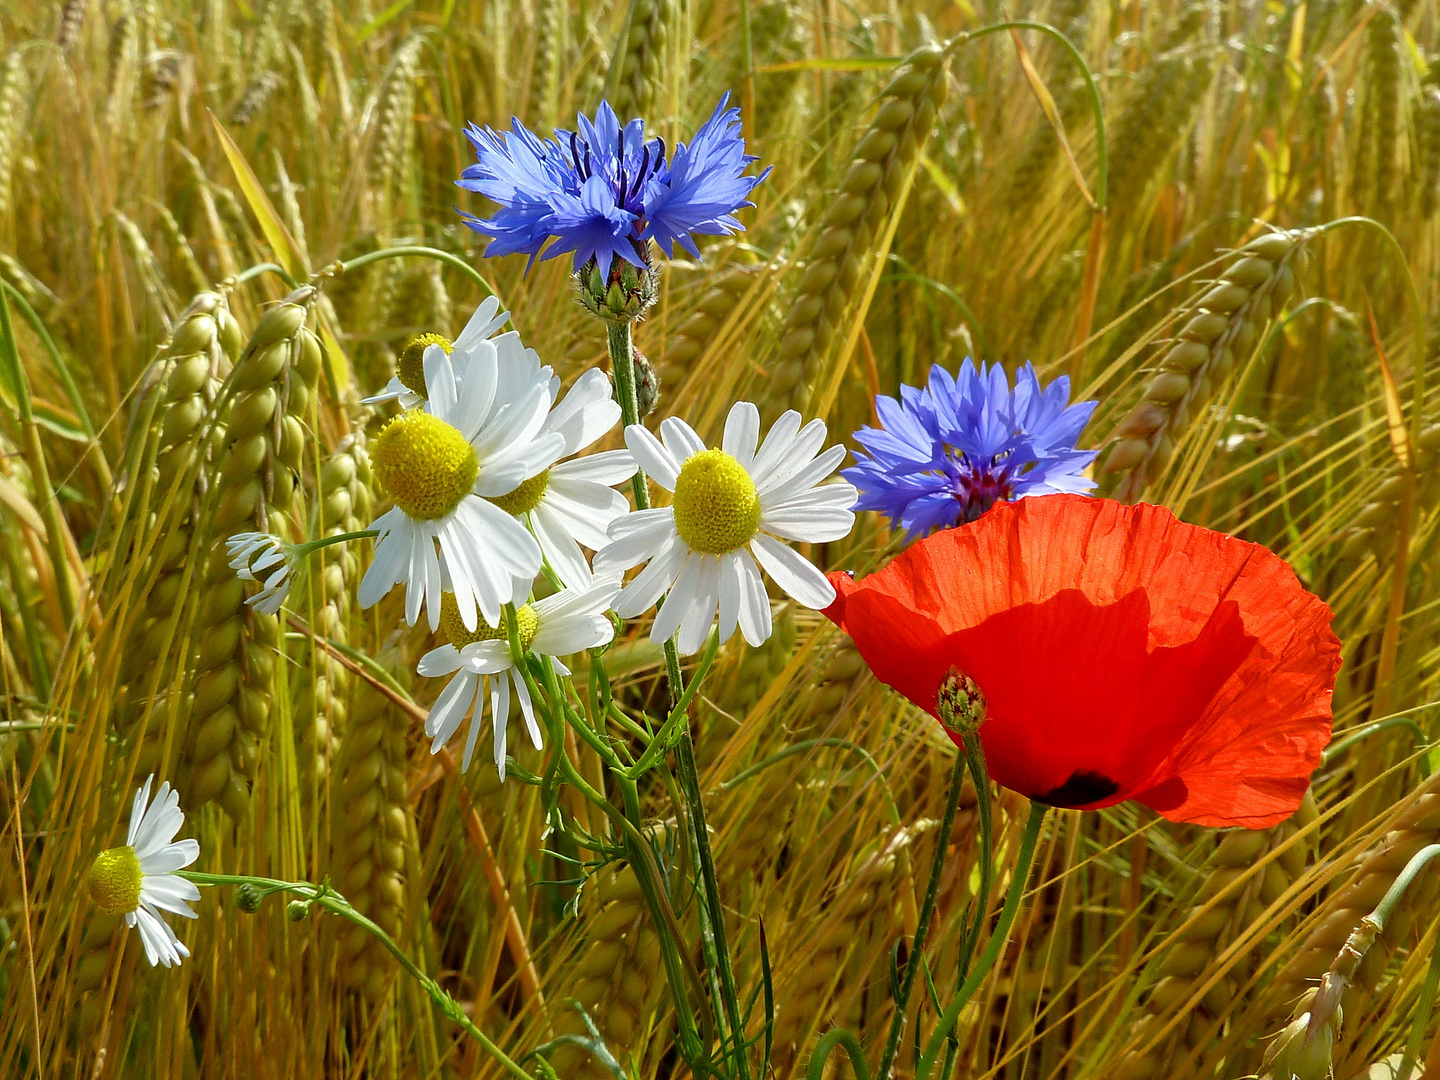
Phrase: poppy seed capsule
x=961 y=703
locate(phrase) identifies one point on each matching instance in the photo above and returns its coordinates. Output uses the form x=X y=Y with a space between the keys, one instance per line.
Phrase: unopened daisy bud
x=622 y=294
x=961 y=702
x=297 y=910
x=247 y=898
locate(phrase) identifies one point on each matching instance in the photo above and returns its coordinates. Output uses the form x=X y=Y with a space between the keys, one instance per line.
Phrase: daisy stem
x=339 y=538
x=927 y=912
x=661 y=742
x=679 y=969
x=622 y=364
x=994 y=946
x=333 y=902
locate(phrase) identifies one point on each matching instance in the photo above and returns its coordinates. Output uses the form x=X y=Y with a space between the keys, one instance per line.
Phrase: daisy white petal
x=680 y=438
x=742 y=433
x=652 y=582
x=732 y=506
x=793 y=573
x=481 y=665
x=754 y=603
x=776 y=445
x=652 y=456
x=701 y=614
x=138 y=880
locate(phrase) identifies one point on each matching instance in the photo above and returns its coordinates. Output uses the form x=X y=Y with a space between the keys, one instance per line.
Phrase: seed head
x=717 y=508
x=424 y=464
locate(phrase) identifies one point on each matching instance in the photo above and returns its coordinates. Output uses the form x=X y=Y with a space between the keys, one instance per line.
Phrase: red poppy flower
x=1123 y=653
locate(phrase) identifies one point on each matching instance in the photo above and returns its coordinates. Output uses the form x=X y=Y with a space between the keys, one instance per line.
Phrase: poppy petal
x=1124 y=654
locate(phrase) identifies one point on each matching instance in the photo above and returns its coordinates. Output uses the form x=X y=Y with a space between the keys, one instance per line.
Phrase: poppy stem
x=996 y=944
x=927 y=911
x=975 y=756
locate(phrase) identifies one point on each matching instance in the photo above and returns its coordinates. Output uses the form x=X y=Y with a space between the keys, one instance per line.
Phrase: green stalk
x=994 y=946
x=423 y=253
x=838 y=1036
x=49 y=507
x=622 y=364
x=333 y=902
x=927 y=911
x=1423 y=1009
x=975 y=755
x=678 y=969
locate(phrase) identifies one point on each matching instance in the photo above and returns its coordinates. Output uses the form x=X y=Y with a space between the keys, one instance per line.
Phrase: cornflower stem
x=993 y=947
x=327 y=898
x=927 y=912
x=622 y=364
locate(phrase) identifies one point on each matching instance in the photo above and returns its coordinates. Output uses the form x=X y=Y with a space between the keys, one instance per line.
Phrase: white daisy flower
x=253 y=553
x=408 y=383
x=138 y=880
x=573 y=503
x=732 y=507
x=567 y=622
x=479 y=438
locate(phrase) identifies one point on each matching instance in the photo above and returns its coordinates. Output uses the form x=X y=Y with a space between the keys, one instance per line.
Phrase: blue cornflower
x=605 y=190
x=945 y=454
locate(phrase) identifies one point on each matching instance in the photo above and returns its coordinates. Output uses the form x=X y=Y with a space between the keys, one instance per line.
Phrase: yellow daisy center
x=453 y=628
x=716 y=506
x=425 y=465
x=410 y=368
x=525 y=497
x=115 y=881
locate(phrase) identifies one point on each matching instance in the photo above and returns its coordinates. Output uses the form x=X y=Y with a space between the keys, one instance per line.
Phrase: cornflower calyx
x=525 y=497
x=717 y=508
x=410 y=367
x=622 y=294
x=424 y=464
x=526 y=622
x=114 y=882
x=960 y=702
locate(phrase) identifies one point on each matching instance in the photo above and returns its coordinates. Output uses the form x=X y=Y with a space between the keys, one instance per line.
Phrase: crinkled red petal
x=1124 y=655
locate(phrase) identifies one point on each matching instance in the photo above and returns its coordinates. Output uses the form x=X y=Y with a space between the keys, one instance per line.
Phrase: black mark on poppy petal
x=1082 y=789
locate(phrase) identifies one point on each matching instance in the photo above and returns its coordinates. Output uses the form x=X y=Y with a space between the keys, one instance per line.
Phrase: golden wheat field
x=719 y=852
